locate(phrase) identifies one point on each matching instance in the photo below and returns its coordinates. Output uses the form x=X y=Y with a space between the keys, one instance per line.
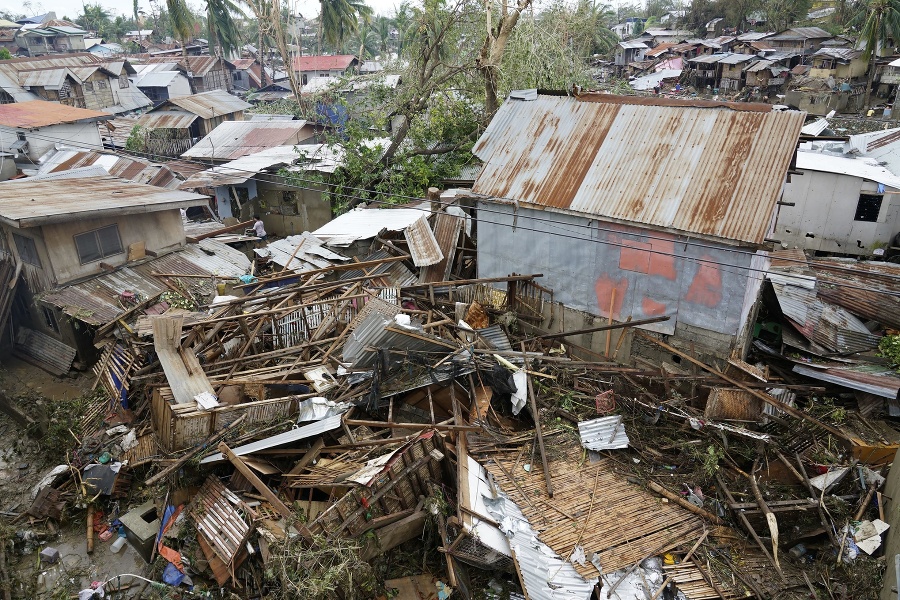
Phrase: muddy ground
x=24 y=460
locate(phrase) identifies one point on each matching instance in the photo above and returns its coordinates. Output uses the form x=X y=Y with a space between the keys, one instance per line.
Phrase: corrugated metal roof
x=234 y=139
x=323 y=63
x=198 y=65
x=392 y=274
x=874 y=296
x=294 y=435
x=880 y=381
x=243 y=168
x=167 y=119
x=214 y=103
x=736 y=59
x=311 y=254
x=51 y=79
x=605 y=433
x=828 y=325
x=126 y=167
x=633 y=45
x=708 y=58
x=710 y=171
x=41 y=113
x=545 y=575
x=51 y=353
x=365 y=223
x=157 y=79
x=800 y=33
x=864 y=168
x=377 y=333
x=423 y=247
x=845 y=54
x=71 y=200
x=96 y=300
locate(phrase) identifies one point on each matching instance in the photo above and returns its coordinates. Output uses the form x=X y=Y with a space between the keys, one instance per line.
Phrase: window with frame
x=101 y=85
x=123 y=82
x=88 y=86
x=50 y=319
x=98 y=244
x=27 y=250
x=868 y=207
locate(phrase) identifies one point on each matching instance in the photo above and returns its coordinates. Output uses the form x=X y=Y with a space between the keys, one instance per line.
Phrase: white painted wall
x=42 y=139
x=822 y=218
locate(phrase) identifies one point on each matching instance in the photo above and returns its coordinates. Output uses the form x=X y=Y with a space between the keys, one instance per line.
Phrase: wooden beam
x=227 y=229
x=598 y=328
x=255 y=481
x=471 y=281
x=756 y=393
x=417 y=426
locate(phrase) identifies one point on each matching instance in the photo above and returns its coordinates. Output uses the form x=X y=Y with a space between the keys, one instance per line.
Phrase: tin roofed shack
x=635 y=208
x=61 y=231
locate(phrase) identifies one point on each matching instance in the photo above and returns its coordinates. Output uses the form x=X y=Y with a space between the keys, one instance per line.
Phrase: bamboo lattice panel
x=627 y=523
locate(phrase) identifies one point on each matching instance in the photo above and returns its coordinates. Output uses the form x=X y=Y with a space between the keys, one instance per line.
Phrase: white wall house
x=839 y=204
x=31 y=129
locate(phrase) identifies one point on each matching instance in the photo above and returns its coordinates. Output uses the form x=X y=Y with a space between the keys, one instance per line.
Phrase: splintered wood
x=630 y=524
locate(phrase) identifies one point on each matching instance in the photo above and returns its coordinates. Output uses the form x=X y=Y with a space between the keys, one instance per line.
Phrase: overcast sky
x=72 y=8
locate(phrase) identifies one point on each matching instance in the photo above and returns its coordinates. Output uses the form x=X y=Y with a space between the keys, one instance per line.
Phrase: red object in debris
x=105 y=535
x=605 y=402
x=364 y=501
x=127 y=297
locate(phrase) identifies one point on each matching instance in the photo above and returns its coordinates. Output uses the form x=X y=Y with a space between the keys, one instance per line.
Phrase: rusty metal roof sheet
x=167 y=119
x=715 y=170
x=323 y=63
x=214 y=103
x=234 y=139
x=826 y=324
x=423 y=247
x=126 y=167
x=872 y=379
x=30 y=202
x=95 y=301
x=41 y=113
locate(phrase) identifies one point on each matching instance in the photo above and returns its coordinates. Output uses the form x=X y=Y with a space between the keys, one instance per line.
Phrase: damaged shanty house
x=636 y=208
x=81 y=252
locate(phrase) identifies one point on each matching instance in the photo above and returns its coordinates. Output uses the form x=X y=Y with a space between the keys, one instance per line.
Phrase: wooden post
x=255 y=481
x=537 y=426
x=90 y=529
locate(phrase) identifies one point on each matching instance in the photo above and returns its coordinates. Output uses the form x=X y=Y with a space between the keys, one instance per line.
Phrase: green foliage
x=889 y=348
x=319 y=569
x=550 y=50
x=137 y=139
x=4 y=54
x=63 y=421
x=709 y=459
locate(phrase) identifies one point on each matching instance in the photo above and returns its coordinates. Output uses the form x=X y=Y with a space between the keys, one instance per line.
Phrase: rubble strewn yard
x=636 y=358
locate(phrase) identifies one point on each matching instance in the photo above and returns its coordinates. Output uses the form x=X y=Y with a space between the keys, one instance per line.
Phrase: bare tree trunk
x=261 y=55
x=283 y=50
x=869 y=79
x=492 y=50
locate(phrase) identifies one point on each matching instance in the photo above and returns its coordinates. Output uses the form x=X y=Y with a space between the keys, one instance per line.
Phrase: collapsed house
x=535 y=387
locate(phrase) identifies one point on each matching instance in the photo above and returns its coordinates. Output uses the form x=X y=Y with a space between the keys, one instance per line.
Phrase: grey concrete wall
x=701 y=288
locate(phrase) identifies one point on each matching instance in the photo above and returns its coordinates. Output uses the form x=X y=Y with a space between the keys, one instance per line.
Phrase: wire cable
x=732 y=268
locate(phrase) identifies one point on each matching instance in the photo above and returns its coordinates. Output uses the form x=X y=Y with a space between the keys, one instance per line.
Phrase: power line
x=731 y=268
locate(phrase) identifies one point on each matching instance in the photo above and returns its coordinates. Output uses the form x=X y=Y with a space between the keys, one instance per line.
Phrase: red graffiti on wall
x=604 y=287
x=706 y=288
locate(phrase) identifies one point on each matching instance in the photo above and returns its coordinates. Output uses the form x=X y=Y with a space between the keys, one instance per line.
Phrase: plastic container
x=118 y=544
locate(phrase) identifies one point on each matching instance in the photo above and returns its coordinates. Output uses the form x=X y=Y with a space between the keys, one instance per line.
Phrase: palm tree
x=93 y=17
x=878 y=20
x=339 y=19
x=223 y=31
x=182 y=21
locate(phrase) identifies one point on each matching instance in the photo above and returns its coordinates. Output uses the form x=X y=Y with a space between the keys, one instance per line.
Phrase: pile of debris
x=387 y=425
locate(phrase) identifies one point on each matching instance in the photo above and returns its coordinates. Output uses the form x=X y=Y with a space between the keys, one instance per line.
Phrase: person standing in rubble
x=259 y=229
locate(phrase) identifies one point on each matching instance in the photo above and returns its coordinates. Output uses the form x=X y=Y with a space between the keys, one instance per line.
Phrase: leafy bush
x=889 y=348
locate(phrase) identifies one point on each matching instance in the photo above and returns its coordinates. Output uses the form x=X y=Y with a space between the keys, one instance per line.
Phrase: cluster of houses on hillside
x=814 y=70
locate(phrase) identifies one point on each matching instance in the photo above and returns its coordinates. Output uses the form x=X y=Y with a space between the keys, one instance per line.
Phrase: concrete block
x=50 y=555
x=142 y=523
